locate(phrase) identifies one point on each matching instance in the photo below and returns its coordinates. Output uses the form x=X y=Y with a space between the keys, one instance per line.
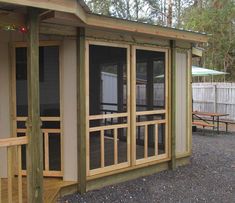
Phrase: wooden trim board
x=93 y=20
x=82 y=108
x=114 y=127
x=35 y=145
x=14 y=117
x=173 y=104
x=132 y=174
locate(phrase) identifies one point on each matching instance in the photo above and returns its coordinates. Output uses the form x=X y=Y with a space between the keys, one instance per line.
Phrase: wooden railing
x=46 y=132
x=106 y=127
x=155 y=123
x=12 y=144
x=101 y=130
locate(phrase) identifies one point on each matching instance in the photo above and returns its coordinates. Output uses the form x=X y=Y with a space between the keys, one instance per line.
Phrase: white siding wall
x=4 y=98
x=68 y=92
x=181 y=103
x=69 y=112
x=5 y=126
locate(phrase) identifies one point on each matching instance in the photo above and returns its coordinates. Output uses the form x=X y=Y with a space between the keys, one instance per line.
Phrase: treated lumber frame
x=9 y=142
x=67 y=6
x=82 y=109
x=189 y=102
x=136 y=172
x=11 y=18
x=197 y=52
x=93 y=20
x=35 y=145
x=114 y=127
x=136 y=27
x=42 y=43
x=173 y=104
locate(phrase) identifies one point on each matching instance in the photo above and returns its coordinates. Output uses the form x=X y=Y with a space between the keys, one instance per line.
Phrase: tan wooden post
x=173 y=105
x=35 y=148
x=82 y=77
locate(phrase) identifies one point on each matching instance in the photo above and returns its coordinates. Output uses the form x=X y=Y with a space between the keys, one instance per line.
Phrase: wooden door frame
x=119 y=165
x=167 y=155
x=132 y=106
x=13 y=122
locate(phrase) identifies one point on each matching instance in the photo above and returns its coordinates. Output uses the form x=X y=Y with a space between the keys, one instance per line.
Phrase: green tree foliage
x=217 y=18
x=100 y=6
x=136 y=10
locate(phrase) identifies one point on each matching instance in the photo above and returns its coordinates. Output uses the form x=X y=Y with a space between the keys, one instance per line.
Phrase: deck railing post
x=82 y=78
x=173 y=105
x=34 y=148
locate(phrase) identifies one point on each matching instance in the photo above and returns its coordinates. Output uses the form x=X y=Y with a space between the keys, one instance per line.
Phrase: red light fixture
x=23 y=29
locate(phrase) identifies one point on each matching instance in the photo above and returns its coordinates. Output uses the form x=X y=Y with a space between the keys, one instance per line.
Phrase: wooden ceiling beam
x=103 y=22
x=130 y=26
x=62 y=18
x=11 y=18
x=197 y=52
x=53 y=29
x=67 y=6
x=70 y=12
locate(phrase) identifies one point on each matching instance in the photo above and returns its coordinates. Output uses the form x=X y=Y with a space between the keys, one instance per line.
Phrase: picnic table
x=215 y=117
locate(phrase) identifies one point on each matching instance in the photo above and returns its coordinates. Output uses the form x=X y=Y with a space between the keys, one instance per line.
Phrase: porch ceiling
x=9 y=7
x=76 y=13
x=12 y=14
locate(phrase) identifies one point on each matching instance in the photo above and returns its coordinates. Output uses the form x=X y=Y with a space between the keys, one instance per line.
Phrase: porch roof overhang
x=76 y=13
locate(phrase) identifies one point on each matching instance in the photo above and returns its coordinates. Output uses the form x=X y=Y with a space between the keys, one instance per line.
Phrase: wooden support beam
x=82 y=108
x=10 y=18
x=61 y=18
x=35 y=145
x=147 y=29
x=80 y=14
x=133 y=106
x=68 y=6
x=54 y=29
x=173 y=105
x=197 y=52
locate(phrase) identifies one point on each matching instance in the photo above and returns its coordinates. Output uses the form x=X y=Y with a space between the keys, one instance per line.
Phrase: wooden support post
x=173 y=105
x=133 y=106
x=35 y=145
x=9 y=174
x=20 y=189
x=0 y=189
x=82 y=78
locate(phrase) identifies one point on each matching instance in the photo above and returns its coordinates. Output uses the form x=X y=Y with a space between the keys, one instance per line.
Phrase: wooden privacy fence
x=214 y=97
x=12 y=145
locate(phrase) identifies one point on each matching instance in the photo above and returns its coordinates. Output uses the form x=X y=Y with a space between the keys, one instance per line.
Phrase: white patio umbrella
x=199 y=71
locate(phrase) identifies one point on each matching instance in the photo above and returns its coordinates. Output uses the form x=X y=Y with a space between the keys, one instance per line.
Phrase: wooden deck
x=52 y=189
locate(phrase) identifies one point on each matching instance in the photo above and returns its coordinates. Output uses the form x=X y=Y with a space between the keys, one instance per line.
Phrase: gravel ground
x=209 y=178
